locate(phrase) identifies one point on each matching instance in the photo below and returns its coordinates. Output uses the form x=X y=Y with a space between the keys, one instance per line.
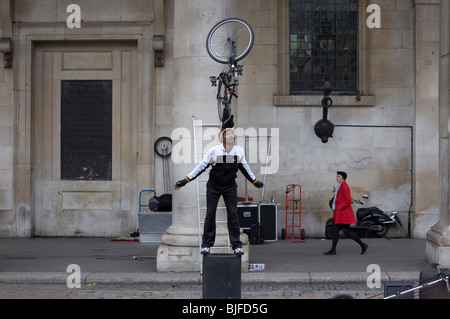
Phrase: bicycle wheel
x=218 y=41
x=221 y=106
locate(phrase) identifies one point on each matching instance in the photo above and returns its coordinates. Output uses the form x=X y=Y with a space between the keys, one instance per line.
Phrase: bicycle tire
x=220 y=99
x=222 y=102
x=220 y=109
x=217 y=41
x=224 y=110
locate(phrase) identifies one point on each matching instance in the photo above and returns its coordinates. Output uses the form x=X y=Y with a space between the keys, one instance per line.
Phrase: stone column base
x=438 y=246
x=181 y=253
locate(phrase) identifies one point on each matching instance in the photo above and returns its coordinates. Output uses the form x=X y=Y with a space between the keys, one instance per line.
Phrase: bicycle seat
x=228 y=123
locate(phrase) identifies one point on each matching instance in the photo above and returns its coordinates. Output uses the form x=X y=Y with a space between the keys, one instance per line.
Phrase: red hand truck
x=293 y=230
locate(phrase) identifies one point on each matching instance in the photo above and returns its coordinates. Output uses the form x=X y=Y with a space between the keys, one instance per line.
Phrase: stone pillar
x=438 y=238
x=9 y=215
x=193 y=96
x=426 y=139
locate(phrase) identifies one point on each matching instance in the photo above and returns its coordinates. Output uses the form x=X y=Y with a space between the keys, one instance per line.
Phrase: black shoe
x=364 y=248
x=205 y=251
x=238 y=251
x=331 y=252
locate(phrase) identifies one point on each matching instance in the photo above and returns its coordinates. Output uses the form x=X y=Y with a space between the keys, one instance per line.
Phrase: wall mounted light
x=6 y=47
x=324 y=128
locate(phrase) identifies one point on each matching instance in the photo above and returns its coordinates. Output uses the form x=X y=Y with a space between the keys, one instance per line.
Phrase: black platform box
x=221 y=276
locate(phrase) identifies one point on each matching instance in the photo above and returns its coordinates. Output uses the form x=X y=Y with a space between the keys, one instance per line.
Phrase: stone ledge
x=315 y=100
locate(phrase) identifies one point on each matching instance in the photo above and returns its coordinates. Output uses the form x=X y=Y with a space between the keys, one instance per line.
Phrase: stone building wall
x=387 y=141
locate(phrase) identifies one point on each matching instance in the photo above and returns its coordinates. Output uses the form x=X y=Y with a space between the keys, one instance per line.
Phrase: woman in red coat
x=343 y=214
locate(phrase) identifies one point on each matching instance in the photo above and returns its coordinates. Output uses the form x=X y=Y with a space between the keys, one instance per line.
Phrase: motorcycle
x=369 y=220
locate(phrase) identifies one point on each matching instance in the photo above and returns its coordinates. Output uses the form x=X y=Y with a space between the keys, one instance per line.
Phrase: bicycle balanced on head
x=228 y=42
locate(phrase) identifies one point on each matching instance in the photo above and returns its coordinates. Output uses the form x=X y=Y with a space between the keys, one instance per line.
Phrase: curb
x=304 y=278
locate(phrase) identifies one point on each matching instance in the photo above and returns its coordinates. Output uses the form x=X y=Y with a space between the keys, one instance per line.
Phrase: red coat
x=343 y=211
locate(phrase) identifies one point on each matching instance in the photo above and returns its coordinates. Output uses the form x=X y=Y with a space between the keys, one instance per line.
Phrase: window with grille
x=323 y=45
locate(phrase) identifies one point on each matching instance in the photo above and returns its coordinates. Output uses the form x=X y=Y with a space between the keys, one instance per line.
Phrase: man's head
x=227 y=136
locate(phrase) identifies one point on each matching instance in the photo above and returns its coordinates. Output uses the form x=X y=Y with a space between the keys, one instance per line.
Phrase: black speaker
x=393 y=288
x=248 y=215
x=221 y=276
x=268 y=221
x=255 y=235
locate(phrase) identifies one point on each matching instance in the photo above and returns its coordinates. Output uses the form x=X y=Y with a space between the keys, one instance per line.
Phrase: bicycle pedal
x=240 y=69
x=213 y=80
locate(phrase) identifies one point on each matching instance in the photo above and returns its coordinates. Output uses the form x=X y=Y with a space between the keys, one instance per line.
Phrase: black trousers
x=347 y=231
x=229 y=194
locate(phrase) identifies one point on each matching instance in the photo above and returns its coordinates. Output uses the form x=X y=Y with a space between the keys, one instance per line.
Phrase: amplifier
x=268 y=221
x=248 y=215
x=262 y=214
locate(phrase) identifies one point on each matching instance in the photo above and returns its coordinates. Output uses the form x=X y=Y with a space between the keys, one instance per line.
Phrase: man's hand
x=259 y=184
x=179 y=184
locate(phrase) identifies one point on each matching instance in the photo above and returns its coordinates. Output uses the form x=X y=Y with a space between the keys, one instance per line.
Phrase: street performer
x=225 y=160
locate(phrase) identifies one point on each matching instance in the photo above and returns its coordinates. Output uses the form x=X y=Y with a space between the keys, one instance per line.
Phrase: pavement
x=40 y=268
x=108 y=262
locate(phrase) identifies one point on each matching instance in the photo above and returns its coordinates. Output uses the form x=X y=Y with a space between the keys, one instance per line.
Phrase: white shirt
x=224 y=165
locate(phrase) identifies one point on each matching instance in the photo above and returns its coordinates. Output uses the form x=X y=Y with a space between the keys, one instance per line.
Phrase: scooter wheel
x=379 y=230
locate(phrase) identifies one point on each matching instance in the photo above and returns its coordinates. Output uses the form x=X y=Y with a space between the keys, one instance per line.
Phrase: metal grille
x=323 y=45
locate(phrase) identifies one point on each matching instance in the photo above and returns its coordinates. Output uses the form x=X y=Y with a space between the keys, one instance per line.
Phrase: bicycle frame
x=225 y=49
x=225 y=79
x=229 y=80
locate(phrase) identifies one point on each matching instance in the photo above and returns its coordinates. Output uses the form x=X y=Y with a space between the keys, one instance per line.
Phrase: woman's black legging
x=347 y=231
